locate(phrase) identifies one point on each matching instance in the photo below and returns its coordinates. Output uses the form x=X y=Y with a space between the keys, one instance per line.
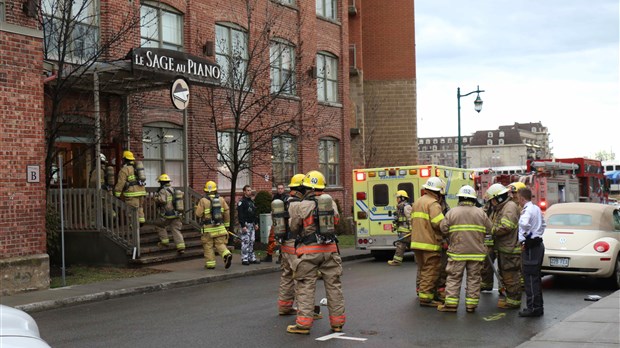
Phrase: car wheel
x=615 y=277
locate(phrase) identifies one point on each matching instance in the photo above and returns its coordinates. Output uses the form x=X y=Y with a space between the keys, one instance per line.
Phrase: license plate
x=558 y=261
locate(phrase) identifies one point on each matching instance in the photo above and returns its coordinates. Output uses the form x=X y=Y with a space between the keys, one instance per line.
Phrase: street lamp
x=477 y=107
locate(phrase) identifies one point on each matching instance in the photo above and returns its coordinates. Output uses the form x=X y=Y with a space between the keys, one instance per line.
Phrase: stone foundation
x=24 y=273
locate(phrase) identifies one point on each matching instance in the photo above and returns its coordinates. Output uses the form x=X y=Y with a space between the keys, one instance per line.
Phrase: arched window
x=489 y=141
x=161 y=26
x=162 y=145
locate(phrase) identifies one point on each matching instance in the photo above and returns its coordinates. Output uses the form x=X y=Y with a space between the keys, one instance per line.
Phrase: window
x=380 y=195
x=489 y=141
x=225 y=142
x=282 y=57
x=328 y=160
x=490 y=135
x=161 y=27
x=449 y=140
x=284 y=158
x=70 y=34
x=428 y=141
x=434 y=147
x=231 y=53
x=464 y=140
x=421 y=141
x=2 y=15
x=407 y=187
x=423 y=148
x=288 y=2
x=533 y=129
x=327 y=77
x=501 y=134
x=326 y=8
x=501 y=141
x=434 y=141
x=442 y=141
x=162 y=145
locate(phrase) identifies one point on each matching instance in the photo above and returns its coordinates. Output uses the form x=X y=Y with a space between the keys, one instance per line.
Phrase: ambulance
x=374 y=197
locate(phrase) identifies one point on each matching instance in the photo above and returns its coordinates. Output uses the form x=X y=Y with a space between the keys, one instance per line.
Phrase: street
x=240 y=312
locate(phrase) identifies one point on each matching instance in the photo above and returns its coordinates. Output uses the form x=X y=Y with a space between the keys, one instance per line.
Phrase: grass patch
x=79 y=275
x=346 y=241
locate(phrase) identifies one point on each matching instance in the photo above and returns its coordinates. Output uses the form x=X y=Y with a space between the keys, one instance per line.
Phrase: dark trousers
x=532 y=257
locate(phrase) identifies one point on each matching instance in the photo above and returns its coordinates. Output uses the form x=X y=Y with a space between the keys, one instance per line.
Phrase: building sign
x=173 y=64
x=179 y=93
x=33 y=174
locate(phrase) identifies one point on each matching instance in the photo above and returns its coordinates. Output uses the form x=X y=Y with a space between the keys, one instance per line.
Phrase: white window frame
x=449 y=140
x=464 y=140
x=489 y=141
x=2 y=9
x=231 y=54
x=153 y=29
x=501 y=141
x=489 y=134
x=163 y=149
x=83 y=42
x=501 y=134
x=284 y=156
x=327 y=9
x=329 y=160
x=327 y=77
x=225 y=142
x=282 y=61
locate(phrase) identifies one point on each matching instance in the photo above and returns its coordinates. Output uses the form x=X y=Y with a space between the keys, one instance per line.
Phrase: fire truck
x=552 y=182
x=374 y=197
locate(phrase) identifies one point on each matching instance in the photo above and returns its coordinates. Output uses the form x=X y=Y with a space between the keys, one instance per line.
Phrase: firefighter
x=130 y=185
x=426 y=239
x=271 y=243
x=443 y=274
x=505 y=217
x=286 y=292
x=169 y=216
x=401 y=222
x=216 y=220
x=487 y=265
x=514 y=188
x=465 y=227
x=313 y=220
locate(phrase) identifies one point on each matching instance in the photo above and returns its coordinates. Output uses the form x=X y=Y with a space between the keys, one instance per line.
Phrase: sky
x=549 y=61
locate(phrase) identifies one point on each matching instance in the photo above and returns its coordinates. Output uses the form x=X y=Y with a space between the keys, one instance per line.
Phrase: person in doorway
x=271 y=244
x=215 y=215
x=317 y=251
x=465 y=227
x=169 y=217
x=130 y=186
x=402 y=226
x=248 y=221
x=531 y=229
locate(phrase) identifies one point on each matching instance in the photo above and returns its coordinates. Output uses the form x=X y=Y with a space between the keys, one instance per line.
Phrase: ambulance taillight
x=360 y=196
x=361 y=215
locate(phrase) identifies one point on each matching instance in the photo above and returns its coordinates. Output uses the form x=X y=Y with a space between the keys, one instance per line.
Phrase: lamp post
x=477 y=107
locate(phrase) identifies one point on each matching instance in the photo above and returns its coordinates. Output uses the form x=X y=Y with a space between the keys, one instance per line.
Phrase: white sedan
x=18 y=329
x=583 y=239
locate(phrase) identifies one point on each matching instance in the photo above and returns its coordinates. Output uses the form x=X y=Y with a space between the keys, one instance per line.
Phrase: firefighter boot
x=336 y=328
x=287 y=311
x=394 y=263
x=227 y=261
x=444 y=308
x=429 y=303
x=502 y=303
x=295 y=329
x=470 y=309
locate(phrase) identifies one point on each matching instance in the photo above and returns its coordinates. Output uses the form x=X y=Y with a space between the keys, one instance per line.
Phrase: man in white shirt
x=531 y=228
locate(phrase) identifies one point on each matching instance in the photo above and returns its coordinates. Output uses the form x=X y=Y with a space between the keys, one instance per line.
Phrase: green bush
x=343 y=226
x=52 y=227
x=263 y=202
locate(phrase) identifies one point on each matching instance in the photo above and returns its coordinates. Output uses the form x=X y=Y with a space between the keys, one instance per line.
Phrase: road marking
x=494 y=317
x=340 y=335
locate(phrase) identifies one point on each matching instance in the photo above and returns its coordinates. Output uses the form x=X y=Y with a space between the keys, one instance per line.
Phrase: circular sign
x=180 y=94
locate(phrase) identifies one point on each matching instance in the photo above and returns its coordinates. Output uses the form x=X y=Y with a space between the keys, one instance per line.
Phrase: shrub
x=263 y=202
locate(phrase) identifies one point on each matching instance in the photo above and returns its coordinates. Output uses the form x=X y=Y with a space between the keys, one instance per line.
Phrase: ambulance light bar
x=413 y=171
x=425 y=172
x=372 y=174
x=360 y=176
x=382 y=173
x=402 y=172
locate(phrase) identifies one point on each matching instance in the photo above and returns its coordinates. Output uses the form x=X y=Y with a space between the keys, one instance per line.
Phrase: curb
x=112 y=294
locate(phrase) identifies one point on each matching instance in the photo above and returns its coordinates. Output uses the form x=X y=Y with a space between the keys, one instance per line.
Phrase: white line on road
x=340 y=335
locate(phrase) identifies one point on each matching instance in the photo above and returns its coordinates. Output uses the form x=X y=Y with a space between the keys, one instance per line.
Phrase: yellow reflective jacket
x=127 y=183
x=203 y=210
x=466 y=226
x=425 y=219
x=505 y=218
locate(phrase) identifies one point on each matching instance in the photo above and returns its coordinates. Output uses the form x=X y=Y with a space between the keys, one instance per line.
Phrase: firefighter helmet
x=402 y=193
x=314 y=180
x=435 y=184
x=128 y=155
x=516 y=186
x=164 y=177
x=296 y=180
x=467 y=192
x=210 y=186
x=495 y=190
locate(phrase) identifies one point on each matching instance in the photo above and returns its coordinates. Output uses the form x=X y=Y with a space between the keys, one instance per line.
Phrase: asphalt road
x=242 y=312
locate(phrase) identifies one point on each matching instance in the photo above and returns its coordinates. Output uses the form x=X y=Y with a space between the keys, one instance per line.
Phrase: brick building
x=383 y=83
x=274 y=86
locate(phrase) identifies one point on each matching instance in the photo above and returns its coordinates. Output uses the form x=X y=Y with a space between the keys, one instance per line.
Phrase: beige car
x=583 y=239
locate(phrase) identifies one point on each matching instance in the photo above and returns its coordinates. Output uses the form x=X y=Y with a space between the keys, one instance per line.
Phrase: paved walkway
x=597 y=325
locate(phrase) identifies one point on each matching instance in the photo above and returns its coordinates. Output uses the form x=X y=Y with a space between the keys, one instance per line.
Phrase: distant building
x=507 y=146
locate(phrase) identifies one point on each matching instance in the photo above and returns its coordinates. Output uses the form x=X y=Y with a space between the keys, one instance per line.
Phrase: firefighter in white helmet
x=426 y=239
x=169 y=216
x=215 y=215
x=402 y=220
x=130 y=185
x=465 y=226
x=313 y=219
x=505 y=218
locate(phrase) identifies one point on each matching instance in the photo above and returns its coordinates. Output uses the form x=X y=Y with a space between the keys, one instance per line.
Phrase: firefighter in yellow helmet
x=465 y=226
x=402 y=226
x=215 y=215
x=505 y=218
x=286 y=238
x=514 y=188
x=426 y=239
x=169 y=215
x=313 y=220
x=131 y=185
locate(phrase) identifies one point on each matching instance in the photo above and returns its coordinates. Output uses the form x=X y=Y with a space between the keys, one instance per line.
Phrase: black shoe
x=255 y=262
x=245 y=263
x=227 y=260
x=267 y=258
x=526 y=312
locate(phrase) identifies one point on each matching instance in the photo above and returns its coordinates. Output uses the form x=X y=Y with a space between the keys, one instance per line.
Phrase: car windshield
x=570 y=220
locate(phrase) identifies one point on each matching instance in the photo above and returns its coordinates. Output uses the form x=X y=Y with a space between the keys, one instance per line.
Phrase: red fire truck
x=552 y=182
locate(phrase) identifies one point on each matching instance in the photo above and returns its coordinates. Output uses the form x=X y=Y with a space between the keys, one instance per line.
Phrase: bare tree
x=605 y=155
x=261 y=97
x=73 y=44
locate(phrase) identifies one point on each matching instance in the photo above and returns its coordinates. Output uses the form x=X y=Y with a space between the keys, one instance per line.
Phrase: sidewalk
x=597 y=325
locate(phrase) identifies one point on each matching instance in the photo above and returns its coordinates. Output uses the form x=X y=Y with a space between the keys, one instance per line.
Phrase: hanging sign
x=179 y=93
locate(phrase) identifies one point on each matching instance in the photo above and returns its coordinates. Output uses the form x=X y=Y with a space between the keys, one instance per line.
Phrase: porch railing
x=151 y=211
